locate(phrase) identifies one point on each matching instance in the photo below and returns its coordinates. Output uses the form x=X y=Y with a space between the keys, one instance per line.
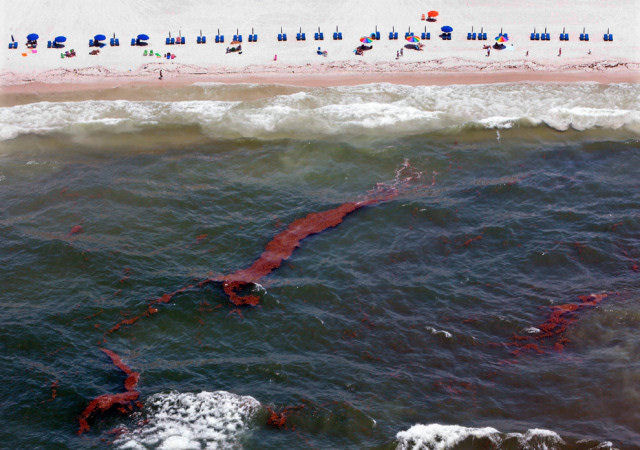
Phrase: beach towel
x=34 y=51
x=24 y=54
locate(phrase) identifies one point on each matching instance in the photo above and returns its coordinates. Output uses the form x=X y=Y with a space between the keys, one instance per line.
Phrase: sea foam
x=375 y=109
x=440 y=437
x=192 y=420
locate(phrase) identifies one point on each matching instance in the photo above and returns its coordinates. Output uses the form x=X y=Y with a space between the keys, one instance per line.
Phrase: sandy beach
x=458 y=61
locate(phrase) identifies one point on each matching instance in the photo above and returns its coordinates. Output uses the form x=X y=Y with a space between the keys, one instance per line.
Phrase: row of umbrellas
x=501 y=38
x=97 y=37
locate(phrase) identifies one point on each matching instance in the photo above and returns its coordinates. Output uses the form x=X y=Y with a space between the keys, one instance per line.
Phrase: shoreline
x=66 y=83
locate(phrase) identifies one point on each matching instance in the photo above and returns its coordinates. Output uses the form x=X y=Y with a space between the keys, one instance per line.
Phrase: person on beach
x=160 y=77
x=401 y=52
x=488 y=51
x=560 y=52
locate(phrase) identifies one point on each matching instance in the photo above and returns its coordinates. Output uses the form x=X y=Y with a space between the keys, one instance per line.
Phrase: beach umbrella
x=433 y=14
x=446 y=29
x=60 y=39
x=366 y=40
x=32 y=37
x=414 y=39
x=501 y=38
x=99 y=37
x=143 y=37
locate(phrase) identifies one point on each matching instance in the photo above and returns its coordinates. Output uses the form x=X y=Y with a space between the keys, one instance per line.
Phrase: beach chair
x=423 y=16
x=90 y=42
x=198 y=39
x=425 y=36
x=49 y=44
x=15 y=45
x=133 y=42
x=145 y=53
x=471 y=36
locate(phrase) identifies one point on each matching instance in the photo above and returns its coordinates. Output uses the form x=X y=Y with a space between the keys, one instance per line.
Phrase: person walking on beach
x=560 y=52
x=160 y=77
x=488 y=51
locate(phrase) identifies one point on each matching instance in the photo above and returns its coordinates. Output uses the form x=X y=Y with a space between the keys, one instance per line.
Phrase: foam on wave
x=439 y=437
x=192 y=420
x=378 y=109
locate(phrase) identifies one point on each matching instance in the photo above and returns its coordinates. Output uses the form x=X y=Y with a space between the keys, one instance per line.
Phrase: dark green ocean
x=494 y=302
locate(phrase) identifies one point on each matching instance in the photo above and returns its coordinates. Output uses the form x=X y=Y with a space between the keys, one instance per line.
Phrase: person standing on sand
x=160 y=77
x=560 y=52
x=488 y=51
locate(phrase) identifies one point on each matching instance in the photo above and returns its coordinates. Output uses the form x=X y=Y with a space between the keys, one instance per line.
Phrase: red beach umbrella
x=433 y=14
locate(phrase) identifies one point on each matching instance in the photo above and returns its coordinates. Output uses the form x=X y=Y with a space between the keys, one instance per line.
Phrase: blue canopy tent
x=57 y=42
x=446 y=29
x=32 y=37
x=143 y=37
x=95 y=42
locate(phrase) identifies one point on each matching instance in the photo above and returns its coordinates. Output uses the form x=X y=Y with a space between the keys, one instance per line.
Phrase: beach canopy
x=143 y=37
x=366 y=40
x=414 y=39
x=99 y=37
x=60 y=39
x=32 y=37
x=446 y=29
x=501 y=38
x=433 y=13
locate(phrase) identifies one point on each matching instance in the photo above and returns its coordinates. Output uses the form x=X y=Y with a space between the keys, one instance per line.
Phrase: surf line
x=279 y=249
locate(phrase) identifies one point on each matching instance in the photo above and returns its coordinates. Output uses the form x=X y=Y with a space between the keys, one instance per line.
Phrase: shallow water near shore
x=402 y=314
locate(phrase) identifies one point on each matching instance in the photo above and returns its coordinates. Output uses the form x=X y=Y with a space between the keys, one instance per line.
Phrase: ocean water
x=416 y=322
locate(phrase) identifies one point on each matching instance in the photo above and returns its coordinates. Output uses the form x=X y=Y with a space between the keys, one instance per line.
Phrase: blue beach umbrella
x=99 y=37
x=60 y=39
x=32 y=37
x=143 y=37
x=446 y=29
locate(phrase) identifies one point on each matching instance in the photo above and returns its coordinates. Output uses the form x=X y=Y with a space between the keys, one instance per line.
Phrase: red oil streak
x=107 y=401
x=551 y=335
x=281 y=247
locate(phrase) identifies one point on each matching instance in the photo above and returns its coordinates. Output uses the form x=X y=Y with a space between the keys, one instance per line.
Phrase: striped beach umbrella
x=413 y=39
x=501 y=38
x=366 y=40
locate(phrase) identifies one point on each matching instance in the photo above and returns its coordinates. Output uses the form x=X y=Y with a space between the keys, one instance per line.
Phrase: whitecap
x=192 y=420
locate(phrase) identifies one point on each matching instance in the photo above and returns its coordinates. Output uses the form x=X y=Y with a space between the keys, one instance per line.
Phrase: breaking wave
x=440 y=437
x=189 y=420
x=374 y=109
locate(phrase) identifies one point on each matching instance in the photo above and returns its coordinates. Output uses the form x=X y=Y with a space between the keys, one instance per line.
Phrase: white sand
x=79 y=20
